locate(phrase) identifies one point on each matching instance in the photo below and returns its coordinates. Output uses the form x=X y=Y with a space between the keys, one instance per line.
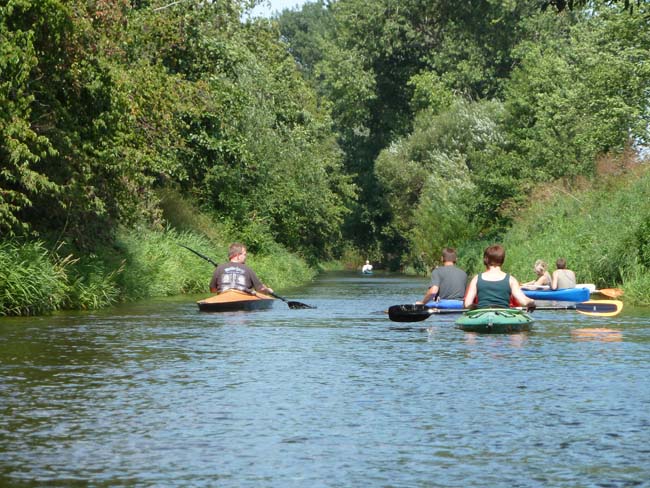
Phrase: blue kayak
x=445 y=304
x=560 y=295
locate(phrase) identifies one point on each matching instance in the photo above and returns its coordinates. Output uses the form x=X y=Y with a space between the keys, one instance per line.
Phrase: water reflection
x=601 y=334
x=515 y=340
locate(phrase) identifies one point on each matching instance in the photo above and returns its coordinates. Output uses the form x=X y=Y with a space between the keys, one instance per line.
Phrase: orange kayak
x=233 y=300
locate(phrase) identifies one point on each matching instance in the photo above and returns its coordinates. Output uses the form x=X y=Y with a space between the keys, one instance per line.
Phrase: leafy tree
x=93 y=168
x=426 y=177
x=23 y=147
x=561 y=5
x=378 y=63
x=577 y=95
x=304 y=32
x=257 y=147
x=430 y=92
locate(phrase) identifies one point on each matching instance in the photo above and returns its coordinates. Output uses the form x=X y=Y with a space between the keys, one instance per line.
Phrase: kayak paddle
x=597 y=308
x=291 y=304
x=417 y=312
x=200 y=255
x=610 y=292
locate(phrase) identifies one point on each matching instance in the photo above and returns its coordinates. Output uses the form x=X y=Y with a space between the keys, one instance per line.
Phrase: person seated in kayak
x=235 y=274
x=495 y=287
x=562 y=277
x=543 y=276
x=448 y=282
x=366 y=268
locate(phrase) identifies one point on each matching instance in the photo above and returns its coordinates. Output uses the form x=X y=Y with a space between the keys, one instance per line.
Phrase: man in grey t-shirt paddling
x=448 y=282
x=235 y=274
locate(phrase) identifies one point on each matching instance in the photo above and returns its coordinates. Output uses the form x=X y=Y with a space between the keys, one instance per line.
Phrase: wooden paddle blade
x=296 y=305
x=408 y=313
x=610 y=292
x=600 y=308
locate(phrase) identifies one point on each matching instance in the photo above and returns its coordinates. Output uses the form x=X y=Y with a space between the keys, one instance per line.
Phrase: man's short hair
x=235 y=249
x=449 y=254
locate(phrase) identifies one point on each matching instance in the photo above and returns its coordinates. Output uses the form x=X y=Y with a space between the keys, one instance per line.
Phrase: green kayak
x=495 y=321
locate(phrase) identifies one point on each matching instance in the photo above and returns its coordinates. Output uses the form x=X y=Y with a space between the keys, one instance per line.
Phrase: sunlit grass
x=32 y=283
x=601 y=231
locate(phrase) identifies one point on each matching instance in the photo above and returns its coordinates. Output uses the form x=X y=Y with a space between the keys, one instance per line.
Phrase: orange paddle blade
x=611 y=292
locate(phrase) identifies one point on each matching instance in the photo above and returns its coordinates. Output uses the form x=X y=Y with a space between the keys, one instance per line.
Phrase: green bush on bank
x=156 y=265
x=271 y=261
x=93 y=284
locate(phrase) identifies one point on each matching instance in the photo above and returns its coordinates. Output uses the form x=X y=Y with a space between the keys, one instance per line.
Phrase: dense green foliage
x=105 y=102
x=451 y=114
x=31 y=282
x=141 y=263
x=381 y=62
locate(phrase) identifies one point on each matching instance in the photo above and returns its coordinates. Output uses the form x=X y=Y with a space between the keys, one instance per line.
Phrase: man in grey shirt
x=235 y=274
x=448 y=282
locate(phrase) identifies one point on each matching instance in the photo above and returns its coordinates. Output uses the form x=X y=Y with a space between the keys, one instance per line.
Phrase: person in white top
x=366 y=268
x=562 y=277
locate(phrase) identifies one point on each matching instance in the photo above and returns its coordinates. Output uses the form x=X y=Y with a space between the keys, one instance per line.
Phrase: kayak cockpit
x=233 y=300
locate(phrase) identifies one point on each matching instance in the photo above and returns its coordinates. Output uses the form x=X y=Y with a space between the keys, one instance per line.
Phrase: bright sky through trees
x=270 y=7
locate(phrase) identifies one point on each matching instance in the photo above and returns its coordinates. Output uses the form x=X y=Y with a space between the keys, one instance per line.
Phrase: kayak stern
x=495 y=321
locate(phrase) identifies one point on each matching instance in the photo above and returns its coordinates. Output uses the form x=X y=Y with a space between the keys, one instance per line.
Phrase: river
x=160 y=394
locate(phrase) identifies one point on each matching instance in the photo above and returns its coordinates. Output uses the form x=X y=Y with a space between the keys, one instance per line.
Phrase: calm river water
x=159 y=394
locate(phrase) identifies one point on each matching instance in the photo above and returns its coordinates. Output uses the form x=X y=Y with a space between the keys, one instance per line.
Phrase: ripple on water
x=159 y=394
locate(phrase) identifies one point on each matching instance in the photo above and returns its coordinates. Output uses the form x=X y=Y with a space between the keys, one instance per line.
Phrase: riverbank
x=600 y=226
x=140 y=264
x=602 y=230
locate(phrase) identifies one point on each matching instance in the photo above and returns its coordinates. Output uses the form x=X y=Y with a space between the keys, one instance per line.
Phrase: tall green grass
x=32 y=283
x=142 y=263
x=181 y=214
x=277 y=267
x=281 y=269
x=93 y=284
x=155 y=264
